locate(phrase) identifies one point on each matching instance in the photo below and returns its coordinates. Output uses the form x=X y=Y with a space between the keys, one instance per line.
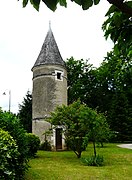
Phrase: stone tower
x=49 y=88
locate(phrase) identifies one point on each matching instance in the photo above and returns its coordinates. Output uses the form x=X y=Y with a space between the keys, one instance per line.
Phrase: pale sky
x=78 y=33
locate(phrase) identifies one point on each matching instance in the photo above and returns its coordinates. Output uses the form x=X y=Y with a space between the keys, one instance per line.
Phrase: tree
x=80 y=76
x=115 y=90
x=88 y=84
x=118 y=27
x=80 y=124
x=25 y=112
x=9 y=122
x=122 y=5
x=98 y=128
x=107 y=88
x=8 y=156
x=118 y=116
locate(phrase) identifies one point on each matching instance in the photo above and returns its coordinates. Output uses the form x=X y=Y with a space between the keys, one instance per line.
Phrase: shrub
x=8 y=156
x=33 y=144
x=93 y=160
x=10 y=123
x=45 y=146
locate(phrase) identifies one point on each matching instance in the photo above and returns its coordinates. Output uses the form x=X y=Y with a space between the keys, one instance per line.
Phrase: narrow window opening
x=59 y=75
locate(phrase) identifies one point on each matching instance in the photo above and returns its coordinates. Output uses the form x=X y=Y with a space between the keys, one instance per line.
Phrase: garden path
x=128 y=146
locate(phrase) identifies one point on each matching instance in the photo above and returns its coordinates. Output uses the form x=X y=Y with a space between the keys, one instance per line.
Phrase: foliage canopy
x=25 y=112
x=118 y=27
x=10 y=123
x=122 y=5
x=8 y=156
x=80 y=124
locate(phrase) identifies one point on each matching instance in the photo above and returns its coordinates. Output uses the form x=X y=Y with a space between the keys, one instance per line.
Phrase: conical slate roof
x=49 y=53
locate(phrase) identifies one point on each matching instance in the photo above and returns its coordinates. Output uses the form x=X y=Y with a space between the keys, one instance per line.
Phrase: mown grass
x=66 y=166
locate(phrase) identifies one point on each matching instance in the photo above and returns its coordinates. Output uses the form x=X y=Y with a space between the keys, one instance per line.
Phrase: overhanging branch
x=122 y=6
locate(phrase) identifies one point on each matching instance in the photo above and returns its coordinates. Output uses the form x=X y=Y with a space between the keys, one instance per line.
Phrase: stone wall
x=48 y=93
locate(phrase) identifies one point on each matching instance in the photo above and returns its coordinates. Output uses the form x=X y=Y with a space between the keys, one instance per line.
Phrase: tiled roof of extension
x=49 y=53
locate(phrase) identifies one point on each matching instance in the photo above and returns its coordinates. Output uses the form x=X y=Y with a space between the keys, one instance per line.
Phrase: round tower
x=49 y=86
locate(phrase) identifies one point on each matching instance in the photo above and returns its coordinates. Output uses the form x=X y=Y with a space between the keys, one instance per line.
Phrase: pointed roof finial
x=49 y=25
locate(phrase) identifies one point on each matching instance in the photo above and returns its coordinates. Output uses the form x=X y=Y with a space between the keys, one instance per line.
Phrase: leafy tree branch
x=85 y=4
x=120 y=4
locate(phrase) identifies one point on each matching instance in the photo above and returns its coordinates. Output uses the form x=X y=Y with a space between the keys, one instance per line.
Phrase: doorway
x=58 y=138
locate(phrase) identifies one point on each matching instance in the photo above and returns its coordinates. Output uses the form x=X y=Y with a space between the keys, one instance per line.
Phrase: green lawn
x=65 y=165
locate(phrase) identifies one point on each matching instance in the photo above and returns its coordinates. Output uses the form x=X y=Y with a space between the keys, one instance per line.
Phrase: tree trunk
x=78 y=154
x=94 y=148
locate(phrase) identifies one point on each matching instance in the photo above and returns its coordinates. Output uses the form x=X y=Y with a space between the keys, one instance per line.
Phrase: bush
x=33 y=144
x=10 y=123
x=8 y=156
x=93 y=161
x=45 y=146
